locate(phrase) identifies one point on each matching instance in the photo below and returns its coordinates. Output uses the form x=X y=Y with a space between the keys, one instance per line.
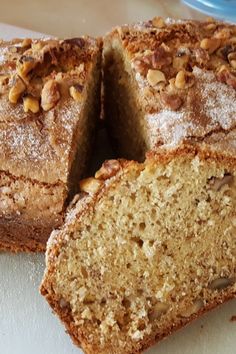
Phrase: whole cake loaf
x=49 y=106
x=149 y=246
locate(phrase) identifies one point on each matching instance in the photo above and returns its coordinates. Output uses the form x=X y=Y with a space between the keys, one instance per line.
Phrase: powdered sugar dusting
x=78 y=205
x=207 y=106
x=41 y=146
x=38 y=147
x=140 y=79
x=22 y=136
x=215 y=110
x=81 y=203
x=168 y=127
x=3 y=52
x=172 y=21
x=219 y=100
x=147 y=25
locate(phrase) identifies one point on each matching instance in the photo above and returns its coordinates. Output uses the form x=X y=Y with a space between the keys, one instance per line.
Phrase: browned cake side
x=150 y=246
x=49 y=106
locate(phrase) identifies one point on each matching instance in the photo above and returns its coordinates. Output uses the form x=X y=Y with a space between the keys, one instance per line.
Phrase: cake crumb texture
x=149 y=244
x=144 y=251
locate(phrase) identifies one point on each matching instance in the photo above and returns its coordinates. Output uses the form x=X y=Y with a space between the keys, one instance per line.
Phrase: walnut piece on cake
x=145 y=249
x=149 y=246
x=45 y=134
x=178 y=79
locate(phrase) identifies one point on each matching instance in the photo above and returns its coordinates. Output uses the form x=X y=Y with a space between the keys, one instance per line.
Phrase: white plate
x=27 y=325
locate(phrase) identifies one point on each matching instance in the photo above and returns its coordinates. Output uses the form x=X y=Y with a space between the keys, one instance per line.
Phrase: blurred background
x=94 y=17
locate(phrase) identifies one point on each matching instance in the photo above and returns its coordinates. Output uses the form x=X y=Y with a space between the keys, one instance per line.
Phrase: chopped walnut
x=25 y=65
x=90 y=185
x=171 y=101
x=26 y=43
x=210 y=27
x=210 y=44
x=109 y=168
x=232 y=59
x=184 y=79
x=226 y=76
x=76 y=92
x=140 y=66
x=180 y=62
x=172 y=86
x=180 y=80
x=161 y=57
x=217 y=183
x=31 y=104
x=224 y=51
x=35 y=87
x=16 y=90
x=233 y=64
x=156 y=60
x=222 y=68
x=224 y=33
x=155 y=76
x=50 y=95
x=36 y=47
x=201 y=55
x=4 y=79
x=158 y=22
x=80 y=42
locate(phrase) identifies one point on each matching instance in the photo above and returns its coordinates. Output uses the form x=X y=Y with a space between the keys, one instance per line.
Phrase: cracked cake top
x=186 y=74
x=42 y=86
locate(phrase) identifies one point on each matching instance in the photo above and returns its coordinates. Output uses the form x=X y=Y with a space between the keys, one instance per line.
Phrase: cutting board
x=27 y=325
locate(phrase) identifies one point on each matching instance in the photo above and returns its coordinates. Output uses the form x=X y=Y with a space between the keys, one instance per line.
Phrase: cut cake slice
x=170 y=82
x=147 y=247
x=49 y=106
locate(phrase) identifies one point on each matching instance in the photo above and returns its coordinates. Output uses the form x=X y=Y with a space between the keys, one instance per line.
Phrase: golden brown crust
x=46 y=135
x=85 y=203
x=186 y=120
x=66 y=317
x=182 y=85
x=42 y=133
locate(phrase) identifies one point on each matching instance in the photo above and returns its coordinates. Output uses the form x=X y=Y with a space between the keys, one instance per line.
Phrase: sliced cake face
x=169 y=81
x=49 y=107
x=146 y=249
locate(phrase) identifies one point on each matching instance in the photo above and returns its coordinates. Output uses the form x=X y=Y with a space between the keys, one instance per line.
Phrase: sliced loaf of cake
x=168 y=82
x=149 y=246
x=49 y=107
x=146 y=249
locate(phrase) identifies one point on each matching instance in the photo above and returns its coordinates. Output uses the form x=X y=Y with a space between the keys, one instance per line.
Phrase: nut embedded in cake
x=45 y=135
x=145 y=250
x=149 y=246
x=169 y=84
